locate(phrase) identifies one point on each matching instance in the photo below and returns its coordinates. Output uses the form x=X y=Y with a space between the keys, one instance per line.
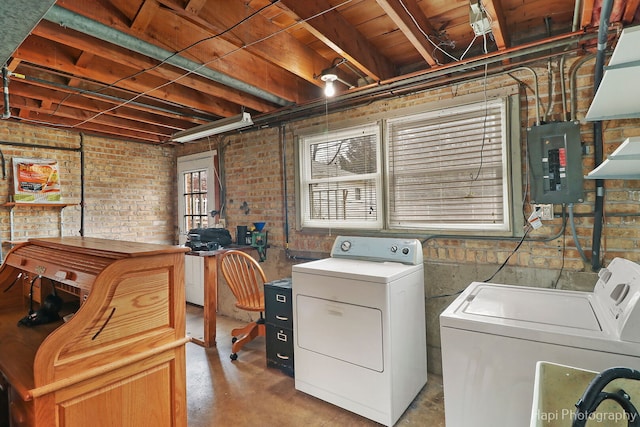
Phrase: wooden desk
x=210 y=307
x=120 y=359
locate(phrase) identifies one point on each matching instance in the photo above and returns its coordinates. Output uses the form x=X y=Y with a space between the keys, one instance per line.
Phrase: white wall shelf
x=624 y=163
x=618 y=93
x=12 y=205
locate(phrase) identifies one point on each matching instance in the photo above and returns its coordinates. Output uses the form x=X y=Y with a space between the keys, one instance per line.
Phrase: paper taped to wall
x=36 y=180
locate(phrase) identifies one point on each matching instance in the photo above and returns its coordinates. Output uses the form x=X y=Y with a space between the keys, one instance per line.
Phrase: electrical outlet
x=546 y=211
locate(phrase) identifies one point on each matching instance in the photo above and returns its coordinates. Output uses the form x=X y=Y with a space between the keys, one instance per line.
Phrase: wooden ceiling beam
x=145 y=14
x=13 y=64
x=80 y=116
x=174 y=33
x=333 y=30
x=127 y=58
x=38 y=51
x=587 y=13
x=257 y=34
x=54 y=96
x=194 y=6
x=165 y=110
x=412 y=23
x=498 y=23
x=32 y=114
x=232 y=60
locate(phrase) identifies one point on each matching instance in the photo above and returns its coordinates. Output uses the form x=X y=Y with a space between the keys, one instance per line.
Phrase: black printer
x=208 y=239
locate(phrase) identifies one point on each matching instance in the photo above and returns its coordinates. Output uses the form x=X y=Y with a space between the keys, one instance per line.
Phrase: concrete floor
x=247 y=393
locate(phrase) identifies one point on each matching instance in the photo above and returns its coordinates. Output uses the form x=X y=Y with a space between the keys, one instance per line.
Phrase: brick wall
x=129 y=187
x=130 y=194
x=254 y=171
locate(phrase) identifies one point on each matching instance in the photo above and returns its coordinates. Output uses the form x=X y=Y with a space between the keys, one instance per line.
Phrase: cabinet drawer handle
x=283 y=318
x=282 y=356
x=281 y=298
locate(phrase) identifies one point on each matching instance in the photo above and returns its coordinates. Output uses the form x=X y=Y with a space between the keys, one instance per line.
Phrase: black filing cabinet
x=278 y=311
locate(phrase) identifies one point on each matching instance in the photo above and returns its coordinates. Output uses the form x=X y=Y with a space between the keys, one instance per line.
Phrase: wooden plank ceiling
x=144 y=69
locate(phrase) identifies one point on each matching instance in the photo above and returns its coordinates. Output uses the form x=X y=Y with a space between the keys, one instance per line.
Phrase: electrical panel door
x=555 y=163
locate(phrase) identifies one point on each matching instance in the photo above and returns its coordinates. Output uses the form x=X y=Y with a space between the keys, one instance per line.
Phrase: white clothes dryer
x=359 y=326
x=493 y=335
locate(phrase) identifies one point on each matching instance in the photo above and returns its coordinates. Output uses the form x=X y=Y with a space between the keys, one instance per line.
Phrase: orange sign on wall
x=36 y=180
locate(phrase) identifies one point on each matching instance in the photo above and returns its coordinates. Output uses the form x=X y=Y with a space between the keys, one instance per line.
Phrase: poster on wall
x=36 y=180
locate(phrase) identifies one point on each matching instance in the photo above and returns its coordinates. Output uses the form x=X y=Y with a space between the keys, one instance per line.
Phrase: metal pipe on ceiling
x=17 y=19
x=362 y=95
x=66 y=18
x=118 y=100
x=5 y=91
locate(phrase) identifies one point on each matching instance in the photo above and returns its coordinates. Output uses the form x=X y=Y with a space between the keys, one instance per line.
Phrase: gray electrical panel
x=555 y=163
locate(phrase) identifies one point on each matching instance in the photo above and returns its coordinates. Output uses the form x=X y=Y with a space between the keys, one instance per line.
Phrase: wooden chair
x=246 y=280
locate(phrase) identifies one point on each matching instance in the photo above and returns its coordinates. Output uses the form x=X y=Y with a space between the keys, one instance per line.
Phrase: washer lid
x=542 y=307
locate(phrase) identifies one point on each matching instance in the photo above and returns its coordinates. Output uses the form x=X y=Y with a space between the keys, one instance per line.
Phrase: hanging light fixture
x=330 y=75
x=328 y=79
x=220 y=126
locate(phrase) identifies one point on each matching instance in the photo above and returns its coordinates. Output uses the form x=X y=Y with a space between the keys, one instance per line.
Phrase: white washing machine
x=492 y=335
x=359 y=326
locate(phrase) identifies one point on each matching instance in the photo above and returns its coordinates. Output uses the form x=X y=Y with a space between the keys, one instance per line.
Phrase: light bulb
x=329 y=89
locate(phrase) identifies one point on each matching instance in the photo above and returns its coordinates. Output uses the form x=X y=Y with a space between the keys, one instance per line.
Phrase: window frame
x=514 y=197
x=192 y=163
x=433 y=116
x=304 y=177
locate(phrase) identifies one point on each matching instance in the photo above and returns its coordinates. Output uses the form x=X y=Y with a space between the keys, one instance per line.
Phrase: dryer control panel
x=378 y=249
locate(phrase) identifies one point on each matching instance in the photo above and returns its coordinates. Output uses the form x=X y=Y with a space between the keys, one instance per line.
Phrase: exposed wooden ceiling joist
x=144 y=69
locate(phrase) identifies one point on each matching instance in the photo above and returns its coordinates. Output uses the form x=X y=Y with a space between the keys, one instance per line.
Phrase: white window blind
x=448 y=169
x=341 y=178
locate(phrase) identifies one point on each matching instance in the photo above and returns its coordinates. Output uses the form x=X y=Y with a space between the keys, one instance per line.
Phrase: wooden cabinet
x=120 y=360
x=278 y=312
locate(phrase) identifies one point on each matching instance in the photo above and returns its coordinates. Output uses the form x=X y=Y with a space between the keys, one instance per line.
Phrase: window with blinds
x=448 y=169
x=340 y=179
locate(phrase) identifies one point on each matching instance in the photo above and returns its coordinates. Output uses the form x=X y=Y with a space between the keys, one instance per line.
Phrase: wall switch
x=546 y=211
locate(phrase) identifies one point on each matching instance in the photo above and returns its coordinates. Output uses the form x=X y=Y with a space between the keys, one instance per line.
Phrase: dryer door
x=347 y=332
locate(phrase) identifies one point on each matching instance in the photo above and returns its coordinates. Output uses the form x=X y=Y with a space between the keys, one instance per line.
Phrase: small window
x=196 y=179
x=341 y=179
x=195 y=200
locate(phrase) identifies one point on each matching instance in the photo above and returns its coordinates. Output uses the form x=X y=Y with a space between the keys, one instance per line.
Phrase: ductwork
x=66 y=18
x=17 y=19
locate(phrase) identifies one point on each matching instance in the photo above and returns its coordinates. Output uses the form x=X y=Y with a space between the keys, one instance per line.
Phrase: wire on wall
x=528 y=228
